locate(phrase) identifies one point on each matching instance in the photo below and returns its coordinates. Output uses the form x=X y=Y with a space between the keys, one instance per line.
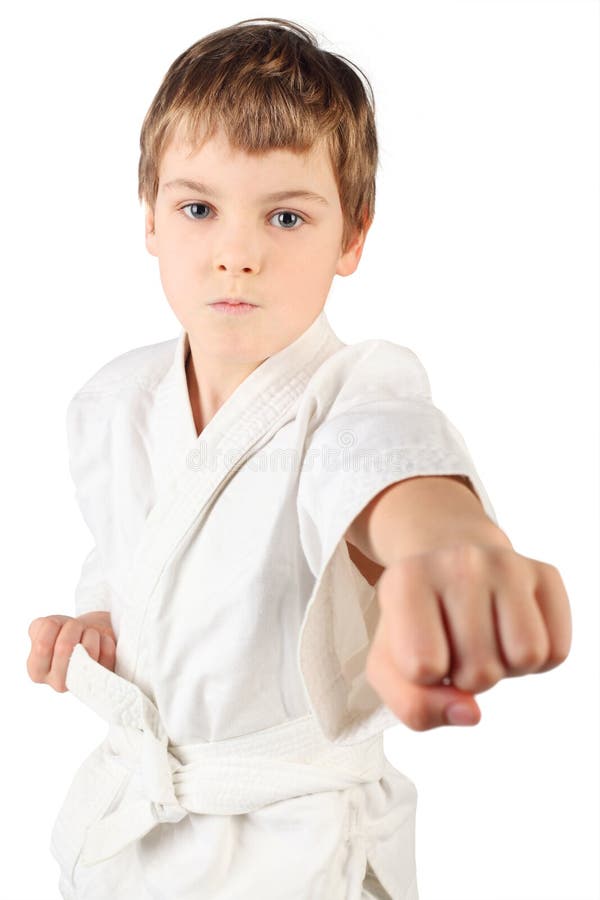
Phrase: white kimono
x=244 y=754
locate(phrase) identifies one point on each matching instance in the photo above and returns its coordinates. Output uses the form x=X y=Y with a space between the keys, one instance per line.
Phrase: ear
x=348 y=261
x=151 y=242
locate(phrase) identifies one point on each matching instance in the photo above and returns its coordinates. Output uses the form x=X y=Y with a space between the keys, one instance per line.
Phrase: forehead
x=215 y=155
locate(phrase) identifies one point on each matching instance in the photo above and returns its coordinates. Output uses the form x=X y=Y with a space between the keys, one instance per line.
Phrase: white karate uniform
x=244 y=755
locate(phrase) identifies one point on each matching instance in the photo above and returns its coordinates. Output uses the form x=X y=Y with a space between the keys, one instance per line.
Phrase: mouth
x=233 y=307
x=233 y=301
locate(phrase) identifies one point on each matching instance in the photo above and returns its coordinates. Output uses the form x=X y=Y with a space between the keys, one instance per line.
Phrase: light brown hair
x=268 y=86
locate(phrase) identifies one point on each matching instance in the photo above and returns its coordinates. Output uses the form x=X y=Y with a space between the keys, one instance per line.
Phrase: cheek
x=175 y=278
x=180 y=258
x=300 y=265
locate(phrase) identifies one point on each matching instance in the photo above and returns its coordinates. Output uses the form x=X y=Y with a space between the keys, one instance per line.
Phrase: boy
x=293 y=549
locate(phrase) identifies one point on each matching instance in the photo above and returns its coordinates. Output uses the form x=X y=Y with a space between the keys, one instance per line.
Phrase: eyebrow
x=205 y=189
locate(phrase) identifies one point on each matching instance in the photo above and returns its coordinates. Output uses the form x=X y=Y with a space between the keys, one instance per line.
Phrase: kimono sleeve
x=388 y=429
x=92 y=592
x=88 y=464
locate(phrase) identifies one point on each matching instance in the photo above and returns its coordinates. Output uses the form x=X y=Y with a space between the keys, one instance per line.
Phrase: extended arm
x=421 y=514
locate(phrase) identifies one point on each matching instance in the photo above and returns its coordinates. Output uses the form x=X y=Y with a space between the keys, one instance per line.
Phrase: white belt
x=227 y=777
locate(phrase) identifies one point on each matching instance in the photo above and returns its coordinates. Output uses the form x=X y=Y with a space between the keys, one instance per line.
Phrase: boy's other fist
x=53 y=639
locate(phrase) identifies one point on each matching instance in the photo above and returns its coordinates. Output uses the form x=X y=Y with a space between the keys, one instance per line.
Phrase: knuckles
x=478 y=677
x=63 y=648
x=463 y=561
x=423 y=671
x=42 y=646
x=467 y=561
x=460 y=563
x=528 y=658
x=474 y=677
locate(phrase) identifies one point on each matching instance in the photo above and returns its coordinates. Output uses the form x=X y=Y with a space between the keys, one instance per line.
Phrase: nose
x=237 y=251
x=228 y=267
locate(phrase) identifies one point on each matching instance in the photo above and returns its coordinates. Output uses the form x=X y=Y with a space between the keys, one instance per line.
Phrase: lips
x=233 y=307
x=233 y=301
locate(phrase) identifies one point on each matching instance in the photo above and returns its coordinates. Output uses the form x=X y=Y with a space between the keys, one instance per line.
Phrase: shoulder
x=121 y=387
x=142 y=367
x=371 y=371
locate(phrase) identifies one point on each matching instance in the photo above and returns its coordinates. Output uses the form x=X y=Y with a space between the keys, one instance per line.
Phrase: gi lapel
x=194 y=467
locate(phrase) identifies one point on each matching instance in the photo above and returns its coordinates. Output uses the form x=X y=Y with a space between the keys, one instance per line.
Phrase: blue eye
x=284 y=212
x=288 y=212
x=190 y=205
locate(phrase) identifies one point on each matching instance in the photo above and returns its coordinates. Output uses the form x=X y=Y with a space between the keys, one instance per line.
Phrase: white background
x=483 y=258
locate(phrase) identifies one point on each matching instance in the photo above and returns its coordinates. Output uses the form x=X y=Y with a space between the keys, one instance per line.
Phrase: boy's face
x=234 y=242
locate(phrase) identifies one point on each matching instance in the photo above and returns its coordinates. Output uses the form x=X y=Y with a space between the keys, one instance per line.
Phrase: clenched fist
x=53 y=639
x=455 y=620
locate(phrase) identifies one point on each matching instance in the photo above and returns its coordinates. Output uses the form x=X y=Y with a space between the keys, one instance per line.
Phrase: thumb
x=459 y=707
x=422 y=707
x=431 y=706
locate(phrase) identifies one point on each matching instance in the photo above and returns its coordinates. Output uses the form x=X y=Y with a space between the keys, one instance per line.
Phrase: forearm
x=422 y=514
